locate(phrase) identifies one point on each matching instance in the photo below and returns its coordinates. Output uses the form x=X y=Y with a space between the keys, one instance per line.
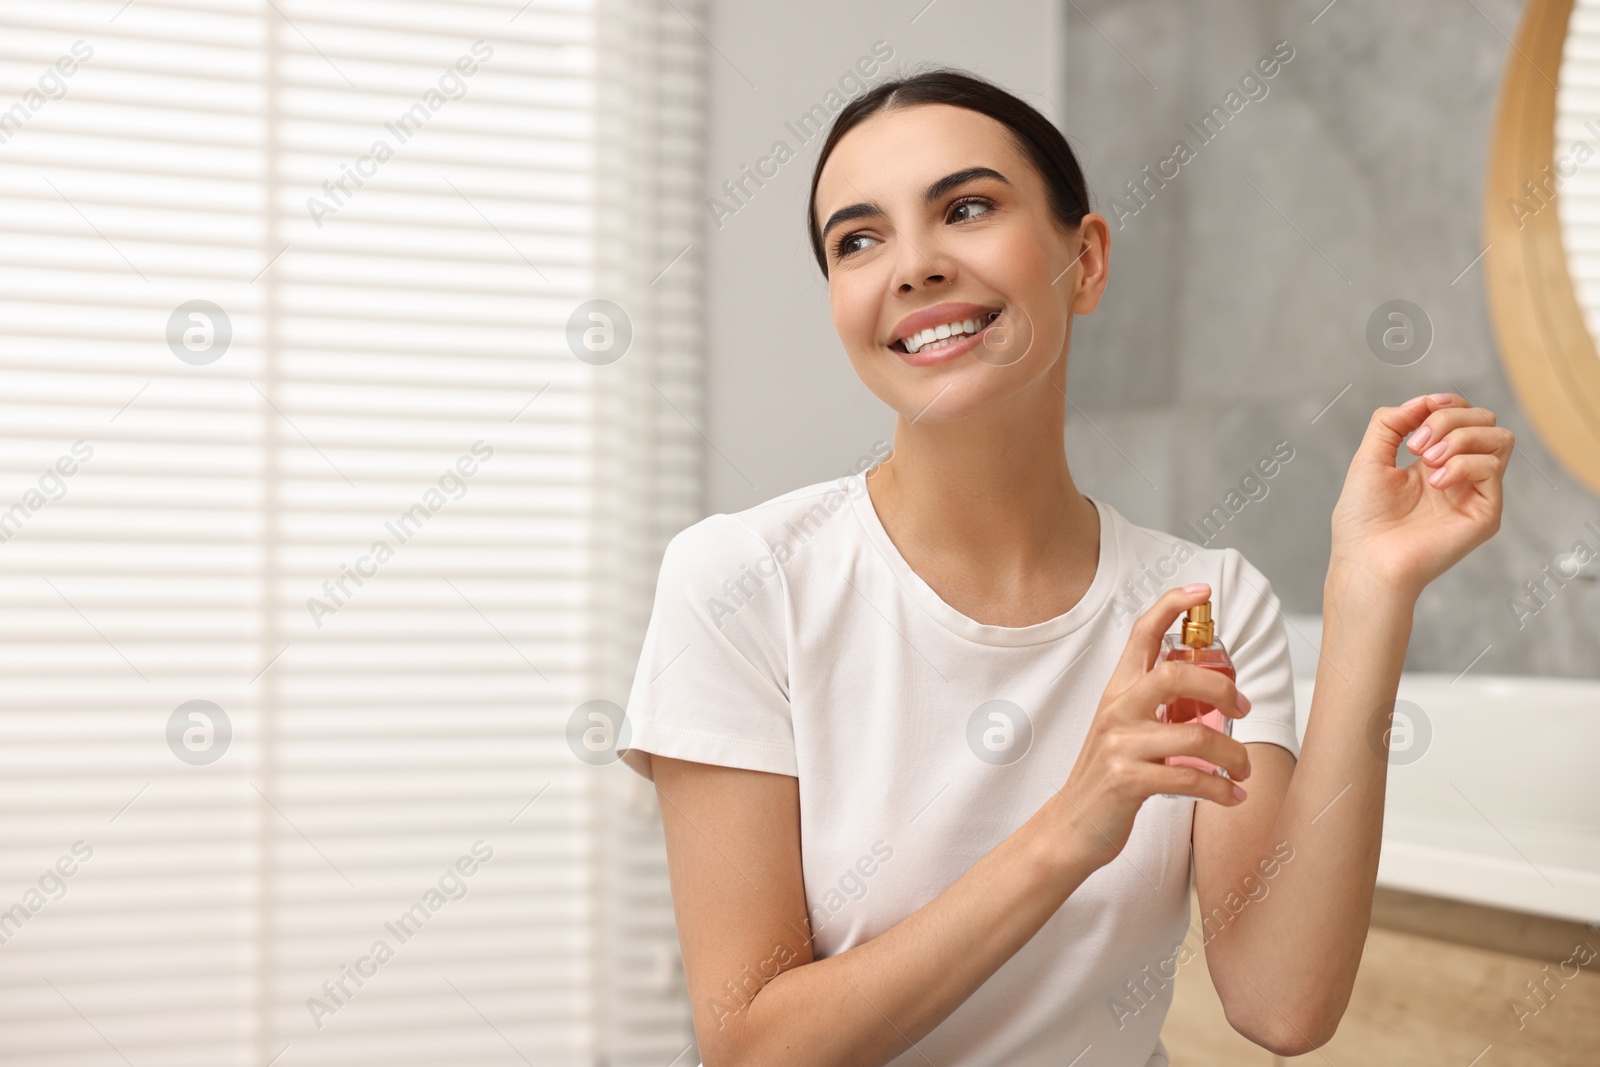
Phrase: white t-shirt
x=792 y=637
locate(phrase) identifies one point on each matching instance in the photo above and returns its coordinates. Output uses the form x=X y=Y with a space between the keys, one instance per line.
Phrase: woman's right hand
x=1121 y=761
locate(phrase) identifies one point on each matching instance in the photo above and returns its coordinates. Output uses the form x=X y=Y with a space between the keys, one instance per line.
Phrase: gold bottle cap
x=1197 y=626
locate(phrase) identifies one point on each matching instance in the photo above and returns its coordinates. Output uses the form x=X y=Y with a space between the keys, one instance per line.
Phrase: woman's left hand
x=1408 y=525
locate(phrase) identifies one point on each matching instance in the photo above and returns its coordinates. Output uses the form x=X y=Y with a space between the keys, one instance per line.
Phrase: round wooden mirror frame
x=1539 y=327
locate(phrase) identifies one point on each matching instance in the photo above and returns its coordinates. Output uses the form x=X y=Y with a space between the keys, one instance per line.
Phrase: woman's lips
x=936 y=353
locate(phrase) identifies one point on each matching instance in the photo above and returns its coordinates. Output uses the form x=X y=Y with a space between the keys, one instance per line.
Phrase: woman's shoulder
x=1156 y=559
x=772 y=529
x=1187 y=543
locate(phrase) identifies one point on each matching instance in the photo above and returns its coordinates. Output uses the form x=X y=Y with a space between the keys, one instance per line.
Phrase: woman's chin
x=965 y=388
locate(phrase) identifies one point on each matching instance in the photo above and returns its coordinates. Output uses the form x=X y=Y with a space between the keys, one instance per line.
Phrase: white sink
x=1494 y=795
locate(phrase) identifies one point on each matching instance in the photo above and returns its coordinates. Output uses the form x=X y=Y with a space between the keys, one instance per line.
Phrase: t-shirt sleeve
x=1252 y=627
x=712 y=684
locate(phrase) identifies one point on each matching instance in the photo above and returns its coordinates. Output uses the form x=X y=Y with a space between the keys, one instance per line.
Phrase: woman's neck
x=985 y=510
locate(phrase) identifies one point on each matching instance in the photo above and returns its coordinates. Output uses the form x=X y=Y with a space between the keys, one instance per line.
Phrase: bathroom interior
x=250 y=719
x=1385 y=161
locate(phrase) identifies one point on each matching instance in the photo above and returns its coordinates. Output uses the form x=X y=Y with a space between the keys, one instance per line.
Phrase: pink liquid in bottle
x=1185 y=708
x=1197 y=644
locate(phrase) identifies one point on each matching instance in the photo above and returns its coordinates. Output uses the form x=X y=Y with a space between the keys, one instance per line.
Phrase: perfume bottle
x=1196 y=643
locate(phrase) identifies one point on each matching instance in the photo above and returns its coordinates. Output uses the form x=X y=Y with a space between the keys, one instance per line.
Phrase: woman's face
x=934 y=219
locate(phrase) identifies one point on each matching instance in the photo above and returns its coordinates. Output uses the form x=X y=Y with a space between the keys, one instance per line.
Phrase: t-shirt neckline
x=964 y=626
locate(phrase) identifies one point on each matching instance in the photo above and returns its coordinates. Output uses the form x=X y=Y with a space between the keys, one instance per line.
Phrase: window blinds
x=314 y=532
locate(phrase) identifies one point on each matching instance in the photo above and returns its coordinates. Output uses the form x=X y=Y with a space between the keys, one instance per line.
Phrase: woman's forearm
x=1300 y=946
x=865 y=1006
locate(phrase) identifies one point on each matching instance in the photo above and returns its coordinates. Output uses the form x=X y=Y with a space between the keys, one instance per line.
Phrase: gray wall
x=1240 y=292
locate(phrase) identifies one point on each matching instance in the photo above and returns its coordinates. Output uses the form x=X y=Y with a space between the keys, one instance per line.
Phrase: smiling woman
x=944 y=669
x=1003 y=193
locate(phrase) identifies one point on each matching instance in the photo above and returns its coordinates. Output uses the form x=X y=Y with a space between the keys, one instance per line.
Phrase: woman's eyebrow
x=868 y=209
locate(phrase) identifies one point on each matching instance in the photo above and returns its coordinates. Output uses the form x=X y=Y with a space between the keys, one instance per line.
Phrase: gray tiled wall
x=1240 y=293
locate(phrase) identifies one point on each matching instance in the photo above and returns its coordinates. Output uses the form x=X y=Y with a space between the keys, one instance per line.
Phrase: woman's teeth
x=947 y=334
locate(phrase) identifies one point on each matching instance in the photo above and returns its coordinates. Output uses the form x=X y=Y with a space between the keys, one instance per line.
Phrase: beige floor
x=1417 y=1000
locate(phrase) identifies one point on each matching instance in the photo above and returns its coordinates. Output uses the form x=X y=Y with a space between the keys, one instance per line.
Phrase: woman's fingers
x=1193 y=738
x=1441 y=424
x=1190 y=782
x=1127 y=747
x=1485 y=440
x=1470 y=454
x=1390 y=425
x=1471 y=468
x=1465 y=446
x=1144 y=643
x=1171 y=679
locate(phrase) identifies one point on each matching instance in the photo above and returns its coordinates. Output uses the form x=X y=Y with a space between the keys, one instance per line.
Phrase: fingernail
x=1420 y=438
x=1436 y=477
x=1196 y=587
x=1441 y=398
x=1435 y=452
x=1244 y=702
x=1239 y=794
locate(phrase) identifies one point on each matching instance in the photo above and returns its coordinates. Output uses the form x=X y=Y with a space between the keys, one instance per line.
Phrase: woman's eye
x=984 y=205
x=847 y=244
x=961 y=211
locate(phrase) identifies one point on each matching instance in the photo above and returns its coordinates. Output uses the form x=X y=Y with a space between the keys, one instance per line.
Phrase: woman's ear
x=1089 y=268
